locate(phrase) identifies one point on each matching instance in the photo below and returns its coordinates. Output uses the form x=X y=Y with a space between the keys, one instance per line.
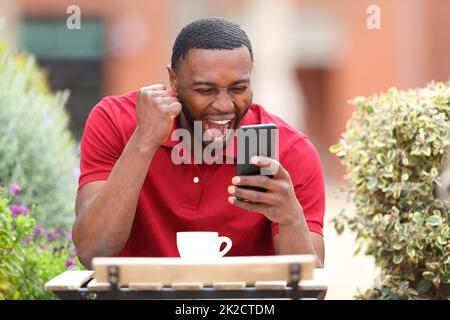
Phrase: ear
x=172 y=78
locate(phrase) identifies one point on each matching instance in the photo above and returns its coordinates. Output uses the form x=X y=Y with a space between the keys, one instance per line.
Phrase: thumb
x=174 y=109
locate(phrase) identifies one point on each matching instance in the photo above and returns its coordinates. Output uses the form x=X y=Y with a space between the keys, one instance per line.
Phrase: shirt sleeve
x=101 y=144
x=303 y=164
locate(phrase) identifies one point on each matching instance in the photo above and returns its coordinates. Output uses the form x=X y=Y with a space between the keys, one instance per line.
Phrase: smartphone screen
x=261 y=140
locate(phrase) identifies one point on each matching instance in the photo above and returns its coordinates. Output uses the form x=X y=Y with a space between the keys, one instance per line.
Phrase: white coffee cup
x=202 y=244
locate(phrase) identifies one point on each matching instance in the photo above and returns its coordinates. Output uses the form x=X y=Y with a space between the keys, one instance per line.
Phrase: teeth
x=220 y=122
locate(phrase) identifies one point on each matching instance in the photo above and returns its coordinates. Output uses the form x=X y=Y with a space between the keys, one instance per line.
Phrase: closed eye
x=204 y=90
x=208 y=91
x=238 y=89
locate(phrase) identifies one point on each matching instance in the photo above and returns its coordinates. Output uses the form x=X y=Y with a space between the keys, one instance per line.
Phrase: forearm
x=103 y=224
x=295 y=238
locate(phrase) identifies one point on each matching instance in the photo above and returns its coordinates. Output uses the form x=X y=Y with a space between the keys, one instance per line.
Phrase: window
x=73 y=60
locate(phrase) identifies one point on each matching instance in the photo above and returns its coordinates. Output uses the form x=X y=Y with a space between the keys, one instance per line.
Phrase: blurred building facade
x=311 y=56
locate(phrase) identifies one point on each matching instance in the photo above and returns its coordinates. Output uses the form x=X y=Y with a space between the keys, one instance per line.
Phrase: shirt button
x=196 y=179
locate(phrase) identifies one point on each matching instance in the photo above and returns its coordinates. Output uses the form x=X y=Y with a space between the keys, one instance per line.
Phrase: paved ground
x=346 y=272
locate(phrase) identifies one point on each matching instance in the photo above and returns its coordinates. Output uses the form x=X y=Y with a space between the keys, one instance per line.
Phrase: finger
x=157 y=90
x=164 y=100
x=252 y=195
x=254 y=181
x=271 y=165
x=254 y=207
x=154 y=87
x=158 y=93
x=169 y=100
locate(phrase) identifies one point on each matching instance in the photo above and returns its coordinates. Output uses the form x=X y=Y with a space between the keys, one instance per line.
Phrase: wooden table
x=279 y=277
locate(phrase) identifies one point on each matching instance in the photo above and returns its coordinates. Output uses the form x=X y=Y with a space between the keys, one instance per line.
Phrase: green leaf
x=437 y=247
x=404 y=192
x=423 y=286
x=358 y=249
x=337 y=148
x=372 y=183
x=445 y=278
x=428 y=275
x=396 y=193
x=339 y=227
x=4 y=286
x=397 y=259
x=410 y=251
x=446 y=232
x=442 y=240
x=381 y=158
x=404 y=285
x=16 y=295
x=434 y=220
x=424 y=189
x=417 y=217
x=434 y=172
x=447 y=259
x=419 y=245
x=405 y=161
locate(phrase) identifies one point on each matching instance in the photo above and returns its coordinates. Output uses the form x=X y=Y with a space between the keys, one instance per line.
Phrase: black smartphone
x=260 y=140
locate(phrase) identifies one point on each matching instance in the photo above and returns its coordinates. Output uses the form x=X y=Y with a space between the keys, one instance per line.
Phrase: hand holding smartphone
x=256 y=140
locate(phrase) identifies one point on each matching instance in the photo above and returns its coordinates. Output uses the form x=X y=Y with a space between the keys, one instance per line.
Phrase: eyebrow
x=212 y=84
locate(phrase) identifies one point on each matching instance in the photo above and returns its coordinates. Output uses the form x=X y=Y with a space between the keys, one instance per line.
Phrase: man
x=133 y=199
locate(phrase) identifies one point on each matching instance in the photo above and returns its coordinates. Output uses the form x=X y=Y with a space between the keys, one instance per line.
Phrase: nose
x=223 y=102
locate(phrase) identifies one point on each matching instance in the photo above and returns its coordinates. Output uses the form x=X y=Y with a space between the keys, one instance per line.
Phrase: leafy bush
x=29 y=256
x=394 y=147
x=36 y=148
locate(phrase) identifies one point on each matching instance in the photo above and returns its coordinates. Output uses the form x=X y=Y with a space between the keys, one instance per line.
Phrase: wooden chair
x=288 y=276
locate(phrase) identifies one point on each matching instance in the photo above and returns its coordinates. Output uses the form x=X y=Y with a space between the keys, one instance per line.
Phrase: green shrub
x=393 y=149
x=36 y=148
x=30 y=256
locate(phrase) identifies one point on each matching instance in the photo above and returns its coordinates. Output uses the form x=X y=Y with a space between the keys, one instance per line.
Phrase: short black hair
x=209 y=33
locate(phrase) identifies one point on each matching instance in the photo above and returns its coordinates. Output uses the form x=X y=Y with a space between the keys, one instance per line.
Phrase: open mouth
x=216 y=130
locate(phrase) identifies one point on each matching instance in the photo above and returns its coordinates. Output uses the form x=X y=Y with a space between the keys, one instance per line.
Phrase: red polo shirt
x=192 y=197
